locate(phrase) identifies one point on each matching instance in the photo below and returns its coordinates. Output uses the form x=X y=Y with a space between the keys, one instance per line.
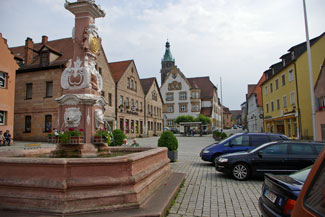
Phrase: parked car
x=311 y=200
x=174 y=130
x=274 y=157
x=166 y=129
x=238 y=142
x=280 y=192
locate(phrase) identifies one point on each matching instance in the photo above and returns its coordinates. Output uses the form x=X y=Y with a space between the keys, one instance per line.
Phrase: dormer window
x=283 y=62
x=44 y=58
x=292 y=55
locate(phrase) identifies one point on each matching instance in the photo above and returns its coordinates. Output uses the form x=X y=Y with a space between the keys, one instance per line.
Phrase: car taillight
x=289 y=206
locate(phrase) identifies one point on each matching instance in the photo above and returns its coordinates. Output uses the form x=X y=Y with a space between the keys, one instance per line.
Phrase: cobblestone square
x=207 y=192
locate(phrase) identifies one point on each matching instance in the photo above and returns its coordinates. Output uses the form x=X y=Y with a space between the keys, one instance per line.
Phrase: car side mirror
x=260 y=153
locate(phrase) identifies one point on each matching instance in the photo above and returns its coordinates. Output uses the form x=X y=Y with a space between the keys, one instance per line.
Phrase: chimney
x=44 y=39
x=28 y=50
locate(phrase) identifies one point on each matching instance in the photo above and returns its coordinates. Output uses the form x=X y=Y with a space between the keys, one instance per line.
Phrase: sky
x=230 y=41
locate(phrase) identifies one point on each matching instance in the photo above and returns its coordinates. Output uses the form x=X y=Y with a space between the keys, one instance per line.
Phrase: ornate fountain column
x=81 y=105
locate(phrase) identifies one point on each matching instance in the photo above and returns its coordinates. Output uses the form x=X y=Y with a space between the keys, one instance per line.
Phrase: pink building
x=320 y=104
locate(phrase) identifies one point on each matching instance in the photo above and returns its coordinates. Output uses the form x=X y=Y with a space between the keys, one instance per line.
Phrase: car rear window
x=301 y=149
x=319 y=147
x=257 y=140
x=315 y=196
x=275 y=149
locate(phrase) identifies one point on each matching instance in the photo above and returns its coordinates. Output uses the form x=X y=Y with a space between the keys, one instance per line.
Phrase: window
x=170 y=96
x=132 y=126
x=100 y=70
x=267 y=108
x=48 y=123
x=285 y=102
x=271 y=87
x=126 y=125
x=132 y=102
x=182 y=95
x=128 y=85
x=154 y=95
x=148 y=125
x=183 y=107
x=257 y=140
x=265 y=90
x=195 y=95
x=240 y=141
x=28 y=124
x=278 y=104
x=2 y=117
x=276 y=84
x=283 y=78
x=170 y=108
x=170 y=122
x=127 y=102
x=109 y=99
x=29 y=90
x=272 y=106
x=44 y=58
x=135 y=85
x=292 y=98
x=301 y=149
x=102 y=93
x=141 y=106
x=3 y=80
x=131 y=84
x=290 y=75
x=49 y=87
x=121 y=100
x=136 y=104
x=195 y=107
x=275 y=149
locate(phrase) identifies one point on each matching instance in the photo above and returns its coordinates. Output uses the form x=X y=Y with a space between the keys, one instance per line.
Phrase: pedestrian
x=135 y=143
x=7 y=136
x=2 y=139
x=125 y=142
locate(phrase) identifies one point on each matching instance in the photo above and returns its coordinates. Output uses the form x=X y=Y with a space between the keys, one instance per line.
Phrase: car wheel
x=240 y=171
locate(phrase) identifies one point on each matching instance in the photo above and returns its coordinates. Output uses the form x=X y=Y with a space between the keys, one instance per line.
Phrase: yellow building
x=286 y=91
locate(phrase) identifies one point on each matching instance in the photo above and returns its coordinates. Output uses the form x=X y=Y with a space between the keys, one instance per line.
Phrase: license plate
x=269 y=195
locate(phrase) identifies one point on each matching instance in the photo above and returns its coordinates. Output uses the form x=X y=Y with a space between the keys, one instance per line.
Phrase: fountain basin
x=79 y=185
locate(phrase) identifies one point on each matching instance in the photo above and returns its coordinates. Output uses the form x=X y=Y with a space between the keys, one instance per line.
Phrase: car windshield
x=301 y=175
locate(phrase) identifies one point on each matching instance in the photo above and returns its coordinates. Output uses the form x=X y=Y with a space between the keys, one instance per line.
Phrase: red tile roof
x=205 y=85
x=206 y=111
x=146 y=83
x=62 y=46
x=118 y=69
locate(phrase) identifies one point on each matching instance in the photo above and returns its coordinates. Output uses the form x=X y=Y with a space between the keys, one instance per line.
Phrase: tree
x=184 y=118
x=203 y=119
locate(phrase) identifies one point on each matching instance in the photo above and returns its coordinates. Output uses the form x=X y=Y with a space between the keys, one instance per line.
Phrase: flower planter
x=99 y=140
x=74 y=140
x=173 y=156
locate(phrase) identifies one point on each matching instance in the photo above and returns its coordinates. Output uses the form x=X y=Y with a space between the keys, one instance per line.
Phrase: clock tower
x=166 y=63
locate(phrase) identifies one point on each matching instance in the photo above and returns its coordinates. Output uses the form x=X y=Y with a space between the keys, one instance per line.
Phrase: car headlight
x=223 y=160
x=206 y=151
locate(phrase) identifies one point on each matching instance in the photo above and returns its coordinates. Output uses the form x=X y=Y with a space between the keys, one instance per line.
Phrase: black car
x=281 y=157
x=174 y=130
x=280 y=192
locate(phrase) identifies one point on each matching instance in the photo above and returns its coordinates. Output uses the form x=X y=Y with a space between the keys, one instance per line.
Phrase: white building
x=187 y=96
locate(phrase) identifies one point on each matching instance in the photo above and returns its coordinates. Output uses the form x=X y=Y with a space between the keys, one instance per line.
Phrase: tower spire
x=166 y=63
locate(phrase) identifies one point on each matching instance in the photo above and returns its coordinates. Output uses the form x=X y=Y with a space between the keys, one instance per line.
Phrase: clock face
x=174 y=75
x=94 y=45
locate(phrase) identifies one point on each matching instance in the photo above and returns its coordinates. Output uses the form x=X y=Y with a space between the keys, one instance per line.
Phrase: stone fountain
x=64 y=186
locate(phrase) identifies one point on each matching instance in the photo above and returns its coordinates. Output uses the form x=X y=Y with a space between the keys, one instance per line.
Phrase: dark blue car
x=238 y=142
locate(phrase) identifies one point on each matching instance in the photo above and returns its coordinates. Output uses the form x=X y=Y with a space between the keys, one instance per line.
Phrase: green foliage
x=216 y=134
x=118 y=136
x=223 y=135
x=65 y=136
x=169 y=140
x=202 y=118
x=101 y=133
x=184 y=118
